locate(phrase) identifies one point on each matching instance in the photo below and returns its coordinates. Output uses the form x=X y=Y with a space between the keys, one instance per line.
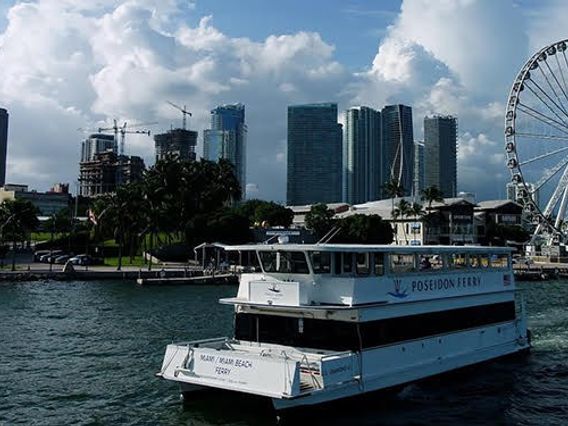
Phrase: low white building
x=448 y=222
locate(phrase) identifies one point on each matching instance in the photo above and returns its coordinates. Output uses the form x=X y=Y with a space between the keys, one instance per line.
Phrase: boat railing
x=306 y=364
x=204 y=342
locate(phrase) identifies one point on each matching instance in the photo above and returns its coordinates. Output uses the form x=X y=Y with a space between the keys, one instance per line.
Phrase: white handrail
x=315 y=383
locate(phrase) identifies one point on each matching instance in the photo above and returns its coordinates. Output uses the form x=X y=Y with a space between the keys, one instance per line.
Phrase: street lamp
x=51 y=243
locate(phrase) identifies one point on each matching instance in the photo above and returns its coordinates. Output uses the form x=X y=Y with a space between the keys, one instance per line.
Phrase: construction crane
x=123 y=130
x=183 y=110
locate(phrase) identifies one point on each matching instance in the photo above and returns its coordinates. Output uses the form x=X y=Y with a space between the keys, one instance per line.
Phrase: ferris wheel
x=536 y=142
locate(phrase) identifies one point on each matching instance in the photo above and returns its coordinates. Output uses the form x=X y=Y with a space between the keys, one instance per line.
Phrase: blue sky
x=353 y=27
x=68 y=64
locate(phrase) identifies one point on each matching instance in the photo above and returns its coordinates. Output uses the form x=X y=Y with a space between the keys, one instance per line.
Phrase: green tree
x=259 y=211
x=61 y=222
x=227 y=226
x=394 y=189
x=402 y=210
x=417 y=212
x=173 y=203
x=498 y=234
x=431 y=194
x=320 y=220
x=364 y=229
x=18 y=218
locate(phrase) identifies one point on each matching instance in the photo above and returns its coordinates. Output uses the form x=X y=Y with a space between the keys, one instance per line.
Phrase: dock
x=541 y=271
x=214 y=279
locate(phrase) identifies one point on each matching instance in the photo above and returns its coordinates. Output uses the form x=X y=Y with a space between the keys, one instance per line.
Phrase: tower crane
x=184 y=111
x=123 y=130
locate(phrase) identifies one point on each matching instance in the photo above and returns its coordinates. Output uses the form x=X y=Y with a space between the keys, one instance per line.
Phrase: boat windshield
x=287 y=262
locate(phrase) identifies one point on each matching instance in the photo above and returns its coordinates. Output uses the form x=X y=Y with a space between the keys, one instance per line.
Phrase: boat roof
x=369 y=248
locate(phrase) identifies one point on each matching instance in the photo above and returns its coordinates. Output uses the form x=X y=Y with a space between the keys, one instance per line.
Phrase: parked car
x=50 y=256
x=39 y=253
x=60 y=260
x=81 y=259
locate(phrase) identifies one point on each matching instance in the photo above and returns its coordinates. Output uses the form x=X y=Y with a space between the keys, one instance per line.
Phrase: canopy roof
x=370 y=248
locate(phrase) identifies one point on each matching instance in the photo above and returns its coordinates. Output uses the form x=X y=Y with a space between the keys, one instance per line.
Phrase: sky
x=77 y=64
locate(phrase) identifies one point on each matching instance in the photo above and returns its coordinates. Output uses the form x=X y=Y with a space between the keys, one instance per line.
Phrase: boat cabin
x=356 y=275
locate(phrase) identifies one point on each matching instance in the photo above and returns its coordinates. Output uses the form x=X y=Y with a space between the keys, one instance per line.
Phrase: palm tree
x=393 y=188
x=416 y=211
x=431 y=194
x=402 y=210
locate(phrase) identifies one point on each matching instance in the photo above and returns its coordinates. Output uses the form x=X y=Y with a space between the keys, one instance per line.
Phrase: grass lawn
x=42 y=236
x=137 y=261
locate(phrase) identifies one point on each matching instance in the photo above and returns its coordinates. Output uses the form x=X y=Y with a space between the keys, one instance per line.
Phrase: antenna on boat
x=331 y=233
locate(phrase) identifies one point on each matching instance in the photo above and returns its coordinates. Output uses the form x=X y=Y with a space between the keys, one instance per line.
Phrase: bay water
x=86 y=352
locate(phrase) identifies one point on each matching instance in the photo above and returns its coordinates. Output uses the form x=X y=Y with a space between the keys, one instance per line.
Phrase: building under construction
x=107 y=170
x=176 y=142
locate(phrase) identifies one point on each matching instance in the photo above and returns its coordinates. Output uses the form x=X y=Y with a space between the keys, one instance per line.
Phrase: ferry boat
x=321 y=322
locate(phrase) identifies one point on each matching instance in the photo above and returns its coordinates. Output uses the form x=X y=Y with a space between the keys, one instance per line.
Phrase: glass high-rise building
x=361 y=155
x=227 y=138
x=397 y=147
x=97 y=143
x=314 y=154
x=418 y=167
x=3 y=144
x=440 y=153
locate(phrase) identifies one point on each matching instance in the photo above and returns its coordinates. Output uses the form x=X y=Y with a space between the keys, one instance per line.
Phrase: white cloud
x=110 y=59
x=124 y=61
x=453 y=57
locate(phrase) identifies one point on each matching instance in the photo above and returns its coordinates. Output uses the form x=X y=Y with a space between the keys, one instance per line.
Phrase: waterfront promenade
x=26 y=269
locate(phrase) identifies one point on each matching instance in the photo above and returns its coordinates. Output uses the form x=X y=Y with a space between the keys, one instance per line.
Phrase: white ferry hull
x=410 y=369
x=380 y=368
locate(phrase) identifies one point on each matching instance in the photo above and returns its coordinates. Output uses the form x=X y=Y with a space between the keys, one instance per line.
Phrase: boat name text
x=223 y=364
x=445 y=283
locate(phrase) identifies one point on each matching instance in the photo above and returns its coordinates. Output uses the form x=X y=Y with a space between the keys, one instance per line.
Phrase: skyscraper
x=227 y=138
x=3 y=144
x=440 y=153
x=361 y=155
x=418 y=167
x=178 y=142
x=97 y=143
x=397 y=146
x=314 y=154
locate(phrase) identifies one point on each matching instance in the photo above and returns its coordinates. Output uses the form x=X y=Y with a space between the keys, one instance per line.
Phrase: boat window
x=430 y=262
x=400 y=263
x=484 y=260
x=337 y=263
x=362 y=264
x=500 y=260
x=291 y=262
x=343 y=335
x=347 y=263
x=457 y=261
x=379 y=263
x=321 y=262
x=474 y=261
